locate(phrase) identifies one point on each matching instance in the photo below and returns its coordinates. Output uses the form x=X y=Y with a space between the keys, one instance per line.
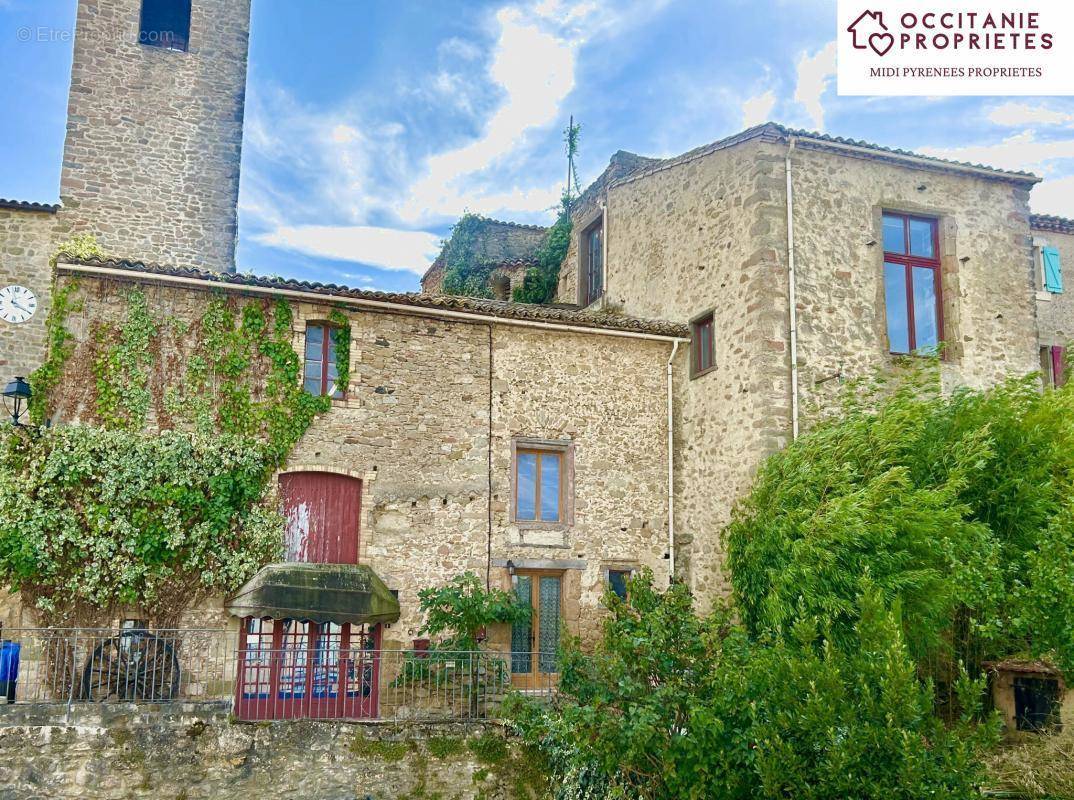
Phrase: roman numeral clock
x=17 y=304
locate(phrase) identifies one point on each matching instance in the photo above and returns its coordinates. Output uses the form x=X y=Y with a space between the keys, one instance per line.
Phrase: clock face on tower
x=17 y=304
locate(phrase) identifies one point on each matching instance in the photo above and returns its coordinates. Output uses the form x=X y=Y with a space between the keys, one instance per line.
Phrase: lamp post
x=17 y=396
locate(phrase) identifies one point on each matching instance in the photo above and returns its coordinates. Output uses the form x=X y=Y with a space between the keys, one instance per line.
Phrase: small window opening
x=320 y=372
x=702 y=348
x=165 y=23
x=1036 y=704
x=617 y=581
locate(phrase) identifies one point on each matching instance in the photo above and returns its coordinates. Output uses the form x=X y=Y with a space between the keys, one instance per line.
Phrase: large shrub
x=959 y=507
x=92 y=520
x=675 y=706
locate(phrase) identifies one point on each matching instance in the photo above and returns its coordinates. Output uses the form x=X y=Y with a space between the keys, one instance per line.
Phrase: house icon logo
x=869 y=31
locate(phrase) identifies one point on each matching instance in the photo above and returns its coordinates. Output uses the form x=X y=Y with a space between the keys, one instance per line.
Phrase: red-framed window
x=292 y=669
x=1053 y=363
x=702 y=346
x=912 y=290
x=320 y=372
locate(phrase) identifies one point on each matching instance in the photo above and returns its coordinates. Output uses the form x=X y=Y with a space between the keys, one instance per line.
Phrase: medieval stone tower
x=151 y=155
x=154 y=127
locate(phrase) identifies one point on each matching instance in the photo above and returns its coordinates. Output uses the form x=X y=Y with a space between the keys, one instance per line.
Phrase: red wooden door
x=322 y=511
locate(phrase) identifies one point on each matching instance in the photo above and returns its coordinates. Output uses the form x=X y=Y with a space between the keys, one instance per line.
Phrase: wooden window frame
x=565 y=450
x=908 y=262
x=328 y=328
x=586 y=296
x=705 y=318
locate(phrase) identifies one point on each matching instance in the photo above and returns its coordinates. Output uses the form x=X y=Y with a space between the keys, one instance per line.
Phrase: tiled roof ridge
x=491 y=308
x=510 y=224
x=28 y=205
x=1051 y=222
x=774 y=131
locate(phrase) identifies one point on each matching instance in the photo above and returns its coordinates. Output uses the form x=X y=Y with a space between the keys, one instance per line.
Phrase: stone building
x=709 y=305
x=151 y=156
x=500 y=252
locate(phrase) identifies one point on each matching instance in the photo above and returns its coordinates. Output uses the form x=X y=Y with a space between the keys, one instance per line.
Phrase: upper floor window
x=542 y=476
x=702 y=349
x=912 y=283
x=593 y=263
x=1051 y=269
x=320 y=372
x=165 y=23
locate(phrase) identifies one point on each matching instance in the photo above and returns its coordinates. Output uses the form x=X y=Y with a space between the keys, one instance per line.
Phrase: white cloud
x=758 y=109
x=1023 y=151
x=1054 y=197
x=815 y=74
x=534 y=68
x=386 y=248
x=1014 y=115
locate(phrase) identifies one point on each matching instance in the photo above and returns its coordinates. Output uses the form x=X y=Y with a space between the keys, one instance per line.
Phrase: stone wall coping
x=442 y=306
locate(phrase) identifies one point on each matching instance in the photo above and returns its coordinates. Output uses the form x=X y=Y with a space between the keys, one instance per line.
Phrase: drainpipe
x=671 y=471
x=792 y=300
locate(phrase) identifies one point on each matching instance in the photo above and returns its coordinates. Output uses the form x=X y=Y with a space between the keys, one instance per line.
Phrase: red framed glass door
x=295 y=669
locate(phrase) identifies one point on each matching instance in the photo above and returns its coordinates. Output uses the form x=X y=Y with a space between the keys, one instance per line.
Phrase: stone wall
x=101 y=752
x=151 y=158
x=988 y=303
x=423 y=397
x=690 y=237
x=707 y=232
x=508 y=246
x=26 y=243
x=1055 y=312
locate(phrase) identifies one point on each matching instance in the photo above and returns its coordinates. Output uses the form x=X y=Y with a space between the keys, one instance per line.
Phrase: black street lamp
x=17 y=396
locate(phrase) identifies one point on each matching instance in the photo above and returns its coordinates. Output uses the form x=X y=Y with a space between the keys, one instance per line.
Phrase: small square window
x=165 y=23
x=702 y=347
x=617 y=581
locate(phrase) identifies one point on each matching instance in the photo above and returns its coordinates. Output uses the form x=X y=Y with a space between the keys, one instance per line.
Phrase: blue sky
x=370 y=126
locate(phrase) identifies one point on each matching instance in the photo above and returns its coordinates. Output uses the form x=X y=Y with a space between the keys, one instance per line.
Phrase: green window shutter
x=1053 y=272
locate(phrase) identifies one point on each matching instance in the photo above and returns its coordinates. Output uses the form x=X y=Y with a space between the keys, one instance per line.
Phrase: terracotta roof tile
x=1048 y=222
x=566 y=315
x=26 y=205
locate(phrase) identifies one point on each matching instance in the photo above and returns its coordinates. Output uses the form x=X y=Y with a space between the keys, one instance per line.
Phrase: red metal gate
x=322 y=511
x=291 y=669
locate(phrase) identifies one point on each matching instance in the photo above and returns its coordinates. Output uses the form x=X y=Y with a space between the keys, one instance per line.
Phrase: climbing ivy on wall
x=58 y=339
x=465 y=272
x=540 y=283
x=160 y=496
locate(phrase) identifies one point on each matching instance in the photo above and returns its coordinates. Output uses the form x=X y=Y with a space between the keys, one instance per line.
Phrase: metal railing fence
x=317 y=679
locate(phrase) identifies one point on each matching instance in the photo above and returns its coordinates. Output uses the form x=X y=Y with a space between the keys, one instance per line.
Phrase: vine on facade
x=161 y=497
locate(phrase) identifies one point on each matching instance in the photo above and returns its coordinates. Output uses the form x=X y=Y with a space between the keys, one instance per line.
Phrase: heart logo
x=881 y=42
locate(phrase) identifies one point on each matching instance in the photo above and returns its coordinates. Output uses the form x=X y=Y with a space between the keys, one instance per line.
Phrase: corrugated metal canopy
x=317 y=592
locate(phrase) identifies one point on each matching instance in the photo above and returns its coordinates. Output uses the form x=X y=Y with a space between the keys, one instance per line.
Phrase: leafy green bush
x=542 y=281
x=959 y=507
x=93 y=519
x=459 y=610
x=675 y=706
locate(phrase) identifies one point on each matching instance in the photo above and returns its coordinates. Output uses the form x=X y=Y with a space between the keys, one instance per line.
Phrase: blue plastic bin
x=9 y=669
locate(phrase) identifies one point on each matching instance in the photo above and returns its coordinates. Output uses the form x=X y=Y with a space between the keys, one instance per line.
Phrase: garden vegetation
x=878 y=563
